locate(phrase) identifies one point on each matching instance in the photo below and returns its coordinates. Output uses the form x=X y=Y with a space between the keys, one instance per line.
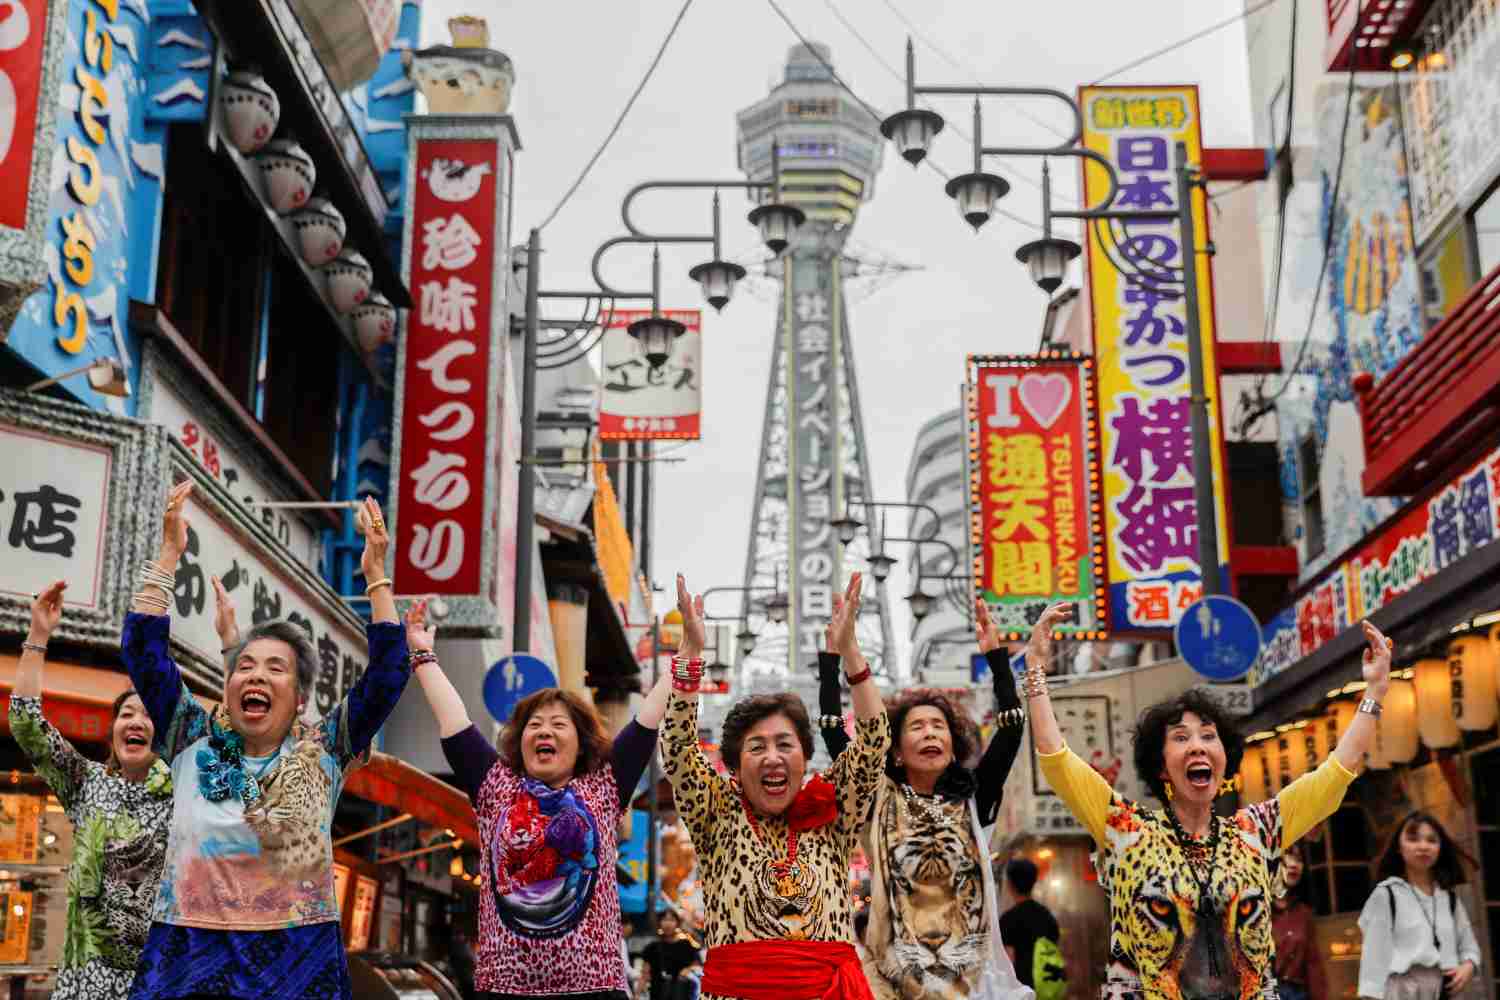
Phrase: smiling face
x=1194 y=759
x=1420 y=846
x=131 y=737
x=549 y=745
x=772 y=765
x=926 y=747
x=261 y=694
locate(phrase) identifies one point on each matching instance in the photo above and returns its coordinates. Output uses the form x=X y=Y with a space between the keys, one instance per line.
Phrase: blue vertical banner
x=633 y=860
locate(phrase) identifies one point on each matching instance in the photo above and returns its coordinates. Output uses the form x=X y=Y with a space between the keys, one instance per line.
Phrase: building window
x=1312 y=496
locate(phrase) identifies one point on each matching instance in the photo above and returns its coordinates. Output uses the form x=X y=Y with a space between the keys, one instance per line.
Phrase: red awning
x=390 y=781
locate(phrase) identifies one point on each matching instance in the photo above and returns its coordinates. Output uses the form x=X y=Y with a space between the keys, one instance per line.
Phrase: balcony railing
x=1430 y=409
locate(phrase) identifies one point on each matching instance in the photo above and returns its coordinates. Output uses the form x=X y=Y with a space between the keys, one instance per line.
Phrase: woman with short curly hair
x=774 y=853
x=1191 y=893
x=925 y=837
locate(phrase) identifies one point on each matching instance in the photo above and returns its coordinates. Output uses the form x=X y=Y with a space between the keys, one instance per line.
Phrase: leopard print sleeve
x=858 y=771
x=698 y=790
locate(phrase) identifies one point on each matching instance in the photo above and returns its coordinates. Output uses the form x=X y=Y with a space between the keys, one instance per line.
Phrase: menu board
x=20 y=821
x=15 y=925
x=366 y=890
x=340 y=885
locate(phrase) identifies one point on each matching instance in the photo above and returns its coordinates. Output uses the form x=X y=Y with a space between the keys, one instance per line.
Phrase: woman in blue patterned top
x=246 y=907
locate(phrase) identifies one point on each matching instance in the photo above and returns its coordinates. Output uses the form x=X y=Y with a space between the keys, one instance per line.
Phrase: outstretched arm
x=831 y=705
x=1000 y=756
x=56 y=760
x=46 y=615
x=857 y=772
x=697 y=788
x=442 y=697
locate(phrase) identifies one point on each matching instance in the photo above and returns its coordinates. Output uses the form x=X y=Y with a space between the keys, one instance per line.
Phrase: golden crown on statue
x=469 y=32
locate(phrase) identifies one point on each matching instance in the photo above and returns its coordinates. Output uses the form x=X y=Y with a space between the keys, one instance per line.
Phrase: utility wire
x=620 y=121
x=1242 y=15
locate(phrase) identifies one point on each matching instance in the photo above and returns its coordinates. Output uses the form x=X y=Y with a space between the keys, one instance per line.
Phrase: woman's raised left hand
x=1377 y=661
x=46 y=612
x=420 y=636
x=377 y=540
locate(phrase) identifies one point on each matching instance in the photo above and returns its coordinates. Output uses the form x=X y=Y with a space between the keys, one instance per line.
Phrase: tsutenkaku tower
x=812 y=453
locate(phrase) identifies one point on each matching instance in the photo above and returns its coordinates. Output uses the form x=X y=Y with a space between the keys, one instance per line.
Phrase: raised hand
x=224 y=621
x=371 y=524
x=1039 y=647
x=840 y=632
x=986 y=632
x=694 y=633
x=46 y=612
x=419 y=635
x=174 y=534
x=1377 y=661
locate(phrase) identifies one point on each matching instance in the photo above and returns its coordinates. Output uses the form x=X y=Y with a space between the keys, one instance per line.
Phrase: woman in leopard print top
x=774 y=855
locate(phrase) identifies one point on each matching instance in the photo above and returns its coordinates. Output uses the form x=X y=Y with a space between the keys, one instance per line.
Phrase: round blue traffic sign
x=1219 y=638
x=512 y=678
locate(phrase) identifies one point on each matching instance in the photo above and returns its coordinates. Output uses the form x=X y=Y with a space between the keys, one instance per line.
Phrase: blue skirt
x=297 y=963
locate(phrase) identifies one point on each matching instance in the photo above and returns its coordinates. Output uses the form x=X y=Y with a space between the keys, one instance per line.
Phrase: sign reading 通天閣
x=1141 y=355
x=642 y=403
x=1031 y=462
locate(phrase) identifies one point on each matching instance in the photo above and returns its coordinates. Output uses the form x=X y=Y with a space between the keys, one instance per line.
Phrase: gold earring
x=1226 y=786
x=1169 y=791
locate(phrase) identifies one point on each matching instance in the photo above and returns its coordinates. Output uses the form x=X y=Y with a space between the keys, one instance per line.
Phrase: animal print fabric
x=119 y=843
x=742 y=900
x=1159 y=947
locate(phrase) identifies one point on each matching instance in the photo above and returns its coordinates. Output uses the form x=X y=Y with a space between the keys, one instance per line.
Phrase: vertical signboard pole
x=1203 y=465
x=526 y=498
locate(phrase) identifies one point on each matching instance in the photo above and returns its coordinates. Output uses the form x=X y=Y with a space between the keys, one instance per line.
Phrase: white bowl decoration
x=251 y=110
x=349 y=278
x=320 y=232
x=375 y=323
x=289 y=175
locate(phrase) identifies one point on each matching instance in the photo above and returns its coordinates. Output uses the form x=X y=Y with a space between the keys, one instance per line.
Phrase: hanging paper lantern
x=1398 y=722
x=1331 y=726
x=1471 y=676
x=1378 y=758
x=1435 y=704
x=1282 y=761
x=1298 y=752
x=1255 y=772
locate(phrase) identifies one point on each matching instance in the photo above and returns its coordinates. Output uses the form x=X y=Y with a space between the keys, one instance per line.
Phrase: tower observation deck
x=813 y=458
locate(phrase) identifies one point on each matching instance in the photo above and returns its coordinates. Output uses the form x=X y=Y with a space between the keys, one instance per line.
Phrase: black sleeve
x=994 y=767
x=830 y=702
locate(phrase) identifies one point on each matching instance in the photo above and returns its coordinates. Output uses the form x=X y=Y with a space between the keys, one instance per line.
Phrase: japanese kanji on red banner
x=1033 y=526
x=445 y=379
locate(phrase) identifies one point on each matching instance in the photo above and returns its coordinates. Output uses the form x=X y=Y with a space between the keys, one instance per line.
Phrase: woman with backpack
x=933 y=930
x=1418 y=941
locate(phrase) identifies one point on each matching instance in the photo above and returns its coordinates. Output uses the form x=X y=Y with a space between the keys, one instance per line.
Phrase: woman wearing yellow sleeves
x=1190 y=893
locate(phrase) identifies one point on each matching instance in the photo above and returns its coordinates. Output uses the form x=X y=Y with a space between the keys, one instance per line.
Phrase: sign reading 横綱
x=1031 y=460
x=1141 y=355
x=445 y=413
x=1423 y=540
x=641 y=403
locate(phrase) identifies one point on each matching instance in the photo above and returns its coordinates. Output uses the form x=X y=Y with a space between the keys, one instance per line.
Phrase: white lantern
x=1471 y=673
x=1255 y=784
x=1286 y=752
x=1398 y=722
x=1435 y=704
x=1332 y=725
x=1378 y=758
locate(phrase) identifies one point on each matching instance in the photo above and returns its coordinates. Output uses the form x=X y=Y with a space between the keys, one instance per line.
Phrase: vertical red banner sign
x=445 y=378
x=23 y=34
x=1034 y=525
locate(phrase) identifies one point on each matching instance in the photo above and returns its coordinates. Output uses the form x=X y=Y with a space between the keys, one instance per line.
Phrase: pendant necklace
x=786 y=873
x=1205 y=851
x=934 y=811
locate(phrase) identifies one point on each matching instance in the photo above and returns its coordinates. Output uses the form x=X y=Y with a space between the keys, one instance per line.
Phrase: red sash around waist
x=778 y=970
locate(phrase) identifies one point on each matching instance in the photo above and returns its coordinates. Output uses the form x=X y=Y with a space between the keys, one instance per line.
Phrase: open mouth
x=931 y=753
x=255 y=705
x=545 y=752
x=136 y=740
x=774 y=785
x=1200 y=775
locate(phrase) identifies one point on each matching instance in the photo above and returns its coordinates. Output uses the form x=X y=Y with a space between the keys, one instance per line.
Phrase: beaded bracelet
x=35 y=647
x=151 y=600
x=418 y=657
x=1010 y=717
x=685 y=686
x=831 y=721
x=1034 y=683
x=859 y=678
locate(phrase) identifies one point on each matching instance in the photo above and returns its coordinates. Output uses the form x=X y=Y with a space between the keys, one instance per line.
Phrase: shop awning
x=75 y=699
x=391 y=782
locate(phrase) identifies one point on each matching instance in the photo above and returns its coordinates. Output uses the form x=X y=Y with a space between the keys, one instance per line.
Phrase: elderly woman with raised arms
x=246 y=908
x=1191 y=893
x=773 y=852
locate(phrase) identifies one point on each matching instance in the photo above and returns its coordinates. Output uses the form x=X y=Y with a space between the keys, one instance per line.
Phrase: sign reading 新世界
x=1135 y=270
x=1030 y=465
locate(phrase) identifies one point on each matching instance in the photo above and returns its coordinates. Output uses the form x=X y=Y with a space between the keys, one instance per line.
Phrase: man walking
x=1031 y=935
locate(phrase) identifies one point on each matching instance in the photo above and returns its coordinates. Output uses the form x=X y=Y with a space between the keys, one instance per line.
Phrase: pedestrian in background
x=1299 y=961
x=1031 y=934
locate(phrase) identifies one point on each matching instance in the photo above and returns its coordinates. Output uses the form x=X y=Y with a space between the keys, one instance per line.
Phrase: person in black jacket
x=931 y=933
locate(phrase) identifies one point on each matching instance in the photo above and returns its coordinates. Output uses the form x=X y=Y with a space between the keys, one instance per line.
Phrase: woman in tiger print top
x=774 y=855
x=1190 y=892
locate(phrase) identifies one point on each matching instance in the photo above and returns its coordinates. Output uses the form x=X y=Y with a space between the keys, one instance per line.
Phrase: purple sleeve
x=470 y=756
x=632 y=752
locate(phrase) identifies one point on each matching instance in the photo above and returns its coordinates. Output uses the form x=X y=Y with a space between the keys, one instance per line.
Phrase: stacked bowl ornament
x=251 y=110
x=349 y=278
x=320 y=231
x=289 y=175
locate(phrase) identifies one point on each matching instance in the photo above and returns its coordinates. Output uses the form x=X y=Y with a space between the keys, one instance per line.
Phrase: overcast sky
x=577 y=62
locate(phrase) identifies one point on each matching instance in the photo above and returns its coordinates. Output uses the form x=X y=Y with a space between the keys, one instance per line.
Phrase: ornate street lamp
x=717 y=278
x=847 y=527
x=920 y=602
x=656 y=335
x=746 y=638
x=880 y=566
x=1047 y=260
x=912 y=131
x=976 y=195
x=777 y=606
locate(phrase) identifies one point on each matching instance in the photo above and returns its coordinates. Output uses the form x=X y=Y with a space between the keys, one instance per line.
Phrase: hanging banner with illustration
x=445 y=376
x=1032 y=459
x=1141 y=355
x=642 y=403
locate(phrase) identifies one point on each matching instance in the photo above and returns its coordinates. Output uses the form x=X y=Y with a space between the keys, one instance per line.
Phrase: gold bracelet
x=383 y=582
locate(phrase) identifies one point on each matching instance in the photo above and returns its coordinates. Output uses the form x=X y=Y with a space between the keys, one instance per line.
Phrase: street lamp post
x=913 y=129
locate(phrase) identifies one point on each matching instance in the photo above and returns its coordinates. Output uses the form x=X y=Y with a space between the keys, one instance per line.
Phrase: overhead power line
x=620 y=121
x=1242 y=15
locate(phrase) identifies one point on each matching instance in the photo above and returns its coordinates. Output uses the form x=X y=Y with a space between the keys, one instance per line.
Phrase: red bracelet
x=685 y=687
x=859 y=678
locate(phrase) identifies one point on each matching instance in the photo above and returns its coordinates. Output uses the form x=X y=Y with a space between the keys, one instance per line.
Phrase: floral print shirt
x=119 y=844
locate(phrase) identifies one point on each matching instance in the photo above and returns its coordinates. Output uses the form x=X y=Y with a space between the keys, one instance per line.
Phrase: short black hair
x=861 y=921
x=1021 y=874
x=1447 y=871
x=747 y=712
x=1150 y=735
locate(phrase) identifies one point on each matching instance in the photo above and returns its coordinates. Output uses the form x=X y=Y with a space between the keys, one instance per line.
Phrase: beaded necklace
x=1201 y=854
x=934 y=811
x=785 y=871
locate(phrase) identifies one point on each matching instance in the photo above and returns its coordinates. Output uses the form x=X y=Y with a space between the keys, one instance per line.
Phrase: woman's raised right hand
x=174 y=534
x=1039 y=646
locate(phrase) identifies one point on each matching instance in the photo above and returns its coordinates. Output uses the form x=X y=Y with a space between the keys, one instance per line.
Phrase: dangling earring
x=1226 y=786
x=1170 y=793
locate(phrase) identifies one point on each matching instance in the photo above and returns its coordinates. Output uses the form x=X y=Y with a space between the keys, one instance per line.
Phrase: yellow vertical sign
x=1141 y=354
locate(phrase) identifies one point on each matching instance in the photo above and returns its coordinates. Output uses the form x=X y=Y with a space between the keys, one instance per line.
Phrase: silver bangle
x=1010 y=717
x=35 y=647
x=831 y=721
x=1370 y=707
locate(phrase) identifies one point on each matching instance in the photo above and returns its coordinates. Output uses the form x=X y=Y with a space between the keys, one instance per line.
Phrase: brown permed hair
x=593 y=738
x=113 y=764
x=961 y=728
x=747 y=712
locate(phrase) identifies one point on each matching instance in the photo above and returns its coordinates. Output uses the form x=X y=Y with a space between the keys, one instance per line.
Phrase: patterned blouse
x=745 y=901
x=119 y=842
x=1167 y=942
x=261 y=872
